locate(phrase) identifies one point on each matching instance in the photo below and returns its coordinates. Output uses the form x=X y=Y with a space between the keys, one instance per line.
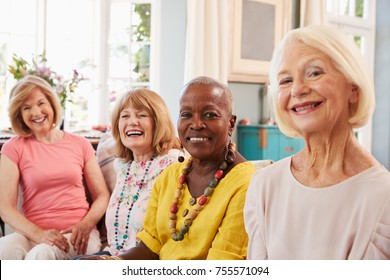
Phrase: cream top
x=287 y=220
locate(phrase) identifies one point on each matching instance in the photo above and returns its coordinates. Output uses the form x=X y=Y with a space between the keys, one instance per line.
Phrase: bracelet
x=119 y=258
x=106 y=257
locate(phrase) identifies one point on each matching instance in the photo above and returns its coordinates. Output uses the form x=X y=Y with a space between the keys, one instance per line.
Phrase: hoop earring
x=231 y=152
x=180 y=158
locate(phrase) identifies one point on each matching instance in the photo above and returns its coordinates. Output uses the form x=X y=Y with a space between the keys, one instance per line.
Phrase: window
x=19 y=38
x=357 y=18
x=129 y=46
x=108 y=42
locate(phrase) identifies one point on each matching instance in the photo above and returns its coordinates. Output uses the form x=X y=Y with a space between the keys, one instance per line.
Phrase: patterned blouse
x=129 y=199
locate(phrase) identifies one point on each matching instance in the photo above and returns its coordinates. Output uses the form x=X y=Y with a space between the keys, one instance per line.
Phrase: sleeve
x=88 y=150
x=231 y=240
x=379 y=246
x=10 y=149
x=253 y=217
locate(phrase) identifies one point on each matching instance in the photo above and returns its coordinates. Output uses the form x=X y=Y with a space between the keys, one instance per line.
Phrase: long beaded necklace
x=119 y=246
x=202 y=201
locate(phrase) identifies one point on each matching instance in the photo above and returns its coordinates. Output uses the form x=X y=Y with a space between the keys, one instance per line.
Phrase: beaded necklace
x=202 y=201
x=120 y=246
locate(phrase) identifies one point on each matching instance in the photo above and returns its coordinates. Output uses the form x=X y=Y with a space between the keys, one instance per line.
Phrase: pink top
x=51 y=178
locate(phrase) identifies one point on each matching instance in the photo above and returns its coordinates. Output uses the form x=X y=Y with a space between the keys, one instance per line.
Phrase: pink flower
x=43 y=71
x=63 y=87
x=59 y=78
x=113 y=96
x=60 y=88
x=75 y=74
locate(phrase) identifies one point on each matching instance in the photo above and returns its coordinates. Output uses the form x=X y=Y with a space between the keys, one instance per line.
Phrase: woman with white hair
x=331 y=200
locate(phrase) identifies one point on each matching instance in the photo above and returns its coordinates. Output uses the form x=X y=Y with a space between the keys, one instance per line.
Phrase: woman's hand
x=80 y=236
x=54 y=237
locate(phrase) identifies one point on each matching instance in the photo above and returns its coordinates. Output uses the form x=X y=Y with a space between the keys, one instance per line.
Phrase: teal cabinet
x=257 y=142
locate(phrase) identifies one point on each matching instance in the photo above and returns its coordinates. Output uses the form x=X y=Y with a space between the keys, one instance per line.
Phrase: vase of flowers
x=64 y=88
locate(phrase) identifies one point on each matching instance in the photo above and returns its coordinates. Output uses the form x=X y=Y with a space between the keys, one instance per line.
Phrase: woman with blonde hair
x=50 y=165
x=331 y=200
x=145 y=144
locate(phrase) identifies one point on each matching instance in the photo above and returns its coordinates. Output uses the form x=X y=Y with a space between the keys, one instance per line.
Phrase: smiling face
x=313 y=95
x=136 y=130
x=37 y=113
x=205 y=121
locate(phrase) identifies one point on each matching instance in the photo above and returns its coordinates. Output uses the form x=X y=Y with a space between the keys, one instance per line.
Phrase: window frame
x=103 y=115
x=364 y=27
x=97 y=107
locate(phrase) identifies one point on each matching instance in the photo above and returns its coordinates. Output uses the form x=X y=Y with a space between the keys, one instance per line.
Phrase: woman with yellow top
x=196 y=207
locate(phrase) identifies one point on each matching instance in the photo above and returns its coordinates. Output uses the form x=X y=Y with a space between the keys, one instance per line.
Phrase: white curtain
x=207 y=39
x=313 y=12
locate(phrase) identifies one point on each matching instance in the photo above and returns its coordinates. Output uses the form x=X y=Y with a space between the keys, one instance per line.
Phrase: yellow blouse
x=217 y=232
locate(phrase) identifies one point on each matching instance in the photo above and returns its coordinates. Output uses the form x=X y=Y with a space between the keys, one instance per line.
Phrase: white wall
x=172 y=36
x=381 y=120
x=247 y=104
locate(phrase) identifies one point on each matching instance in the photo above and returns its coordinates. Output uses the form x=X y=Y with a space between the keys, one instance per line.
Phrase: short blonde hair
x=345 y=56
x=20 y=92
x=164 y=136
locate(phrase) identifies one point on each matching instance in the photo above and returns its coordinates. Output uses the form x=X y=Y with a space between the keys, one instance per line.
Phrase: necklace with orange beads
x=197 y=207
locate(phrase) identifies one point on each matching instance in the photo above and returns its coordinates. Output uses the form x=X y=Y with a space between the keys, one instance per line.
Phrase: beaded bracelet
x=106 y=257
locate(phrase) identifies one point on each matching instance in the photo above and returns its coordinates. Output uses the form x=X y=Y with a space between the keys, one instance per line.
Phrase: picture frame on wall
x=257 y=26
